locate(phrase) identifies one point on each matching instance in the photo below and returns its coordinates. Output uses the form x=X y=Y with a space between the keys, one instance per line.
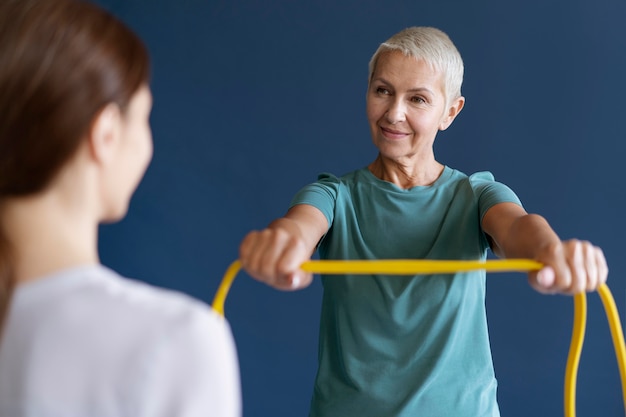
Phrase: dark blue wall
x=253 y=98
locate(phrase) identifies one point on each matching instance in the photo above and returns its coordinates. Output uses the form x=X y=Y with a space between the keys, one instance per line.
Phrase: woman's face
x=133 y=154
x=406 y=106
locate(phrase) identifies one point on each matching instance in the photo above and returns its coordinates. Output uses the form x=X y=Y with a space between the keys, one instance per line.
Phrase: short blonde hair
x=434 y=47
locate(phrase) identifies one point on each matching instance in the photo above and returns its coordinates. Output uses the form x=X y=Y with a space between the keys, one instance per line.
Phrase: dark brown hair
x=61 y=62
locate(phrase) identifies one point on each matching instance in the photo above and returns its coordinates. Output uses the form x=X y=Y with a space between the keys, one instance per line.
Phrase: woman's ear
x=453 y=110
x=105 y=133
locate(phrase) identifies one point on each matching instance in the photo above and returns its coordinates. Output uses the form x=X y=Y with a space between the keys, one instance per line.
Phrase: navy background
x=254 y=98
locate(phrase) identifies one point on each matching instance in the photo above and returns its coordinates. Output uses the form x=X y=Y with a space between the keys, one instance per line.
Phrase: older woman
x=407 y=346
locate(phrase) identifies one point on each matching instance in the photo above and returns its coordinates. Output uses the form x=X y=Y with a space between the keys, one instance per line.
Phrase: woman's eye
x=382 y=90
x=417 y=100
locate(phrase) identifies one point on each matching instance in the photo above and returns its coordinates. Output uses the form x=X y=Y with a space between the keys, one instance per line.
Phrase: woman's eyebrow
x=410 y=90
x=420 y=90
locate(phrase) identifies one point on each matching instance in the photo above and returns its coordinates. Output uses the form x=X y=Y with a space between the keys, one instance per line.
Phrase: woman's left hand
x=571 y=267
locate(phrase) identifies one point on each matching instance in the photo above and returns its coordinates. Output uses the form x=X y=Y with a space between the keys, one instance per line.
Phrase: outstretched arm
x=274 y=255
x=571 y=266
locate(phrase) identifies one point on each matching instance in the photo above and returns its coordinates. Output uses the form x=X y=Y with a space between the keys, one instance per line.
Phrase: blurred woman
x=77 y=339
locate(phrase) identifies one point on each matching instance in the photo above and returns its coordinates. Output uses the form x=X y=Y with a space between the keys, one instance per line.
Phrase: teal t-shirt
x=400 y=346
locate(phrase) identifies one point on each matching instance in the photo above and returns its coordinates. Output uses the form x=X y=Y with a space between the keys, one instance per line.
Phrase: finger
x=555 y=276
x=603 y=268
x=274 y=262
x=298 y=280
x=288 y=266
x=574 y=255
x=543 y=280
x=245 y=248
x=259 y=253
x=591 y=266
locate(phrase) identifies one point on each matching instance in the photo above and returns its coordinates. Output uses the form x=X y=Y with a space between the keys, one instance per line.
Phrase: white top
x=87 y=342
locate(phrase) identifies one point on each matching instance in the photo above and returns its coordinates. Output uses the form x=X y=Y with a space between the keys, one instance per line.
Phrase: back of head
x=61 y=62
x=432 y=46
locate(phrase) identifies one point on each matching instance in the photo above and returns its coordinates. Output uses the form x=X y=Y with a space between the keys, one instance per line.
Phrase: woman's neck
x=406 y=174
x=48 y=233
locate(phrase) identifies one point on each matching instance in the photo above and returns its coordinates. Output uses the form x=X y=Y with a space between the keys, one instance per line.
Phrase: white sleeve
x=195 y=373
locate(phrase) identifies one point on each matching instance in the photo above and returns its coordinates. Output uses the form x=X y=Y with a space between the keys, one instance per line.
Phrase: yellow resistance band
x=415 y=267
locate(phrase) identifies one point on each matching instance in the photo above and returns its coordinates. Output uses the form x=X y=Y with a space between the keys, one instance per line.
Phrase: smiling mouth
x=393 y=134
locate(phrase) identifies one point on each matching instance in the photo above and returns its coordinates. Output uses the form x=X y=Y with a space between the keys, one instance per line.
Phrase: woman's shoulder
x=101 y=295
x=145 y=300
x=344 y=177
x=357 y=176
x=475 y=178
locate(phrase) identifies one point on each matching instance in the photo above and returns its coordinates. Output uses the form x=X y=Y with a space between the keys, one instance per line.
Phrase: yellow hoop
x=414 y=267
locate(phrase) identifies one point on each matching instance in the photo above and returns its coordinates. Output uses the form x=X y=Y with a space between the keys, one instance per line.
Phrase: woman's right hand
x=274 y=256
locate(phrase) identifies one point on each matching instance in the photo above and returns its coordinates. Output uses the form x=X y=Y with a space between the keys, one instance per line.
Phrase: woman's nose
x=396 y=112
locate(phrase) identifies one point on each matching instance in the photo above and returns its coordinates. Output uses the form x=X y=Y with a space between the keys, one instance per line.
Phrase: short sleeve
x=321 y=194
x=489 y=192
